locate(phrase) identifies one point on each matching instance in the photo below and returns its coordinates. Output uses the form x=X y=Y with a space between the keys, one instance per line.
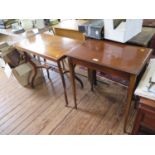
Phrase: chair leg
x=63 y=64
x=47 y=70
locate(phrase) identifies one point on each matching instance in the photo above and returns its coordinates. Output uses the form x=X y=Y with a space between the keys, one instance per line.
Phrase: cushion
x=23 y=69
x=23 y=74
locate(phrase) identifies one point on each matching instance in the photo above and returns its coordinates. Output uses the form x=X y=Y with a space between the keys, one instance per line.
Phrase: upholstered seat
x=23 y=73
x=21 y=70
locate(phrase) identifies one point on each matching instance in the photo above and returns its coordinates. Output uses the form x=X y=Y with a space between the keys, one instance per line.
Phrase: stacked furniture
x=6 y=23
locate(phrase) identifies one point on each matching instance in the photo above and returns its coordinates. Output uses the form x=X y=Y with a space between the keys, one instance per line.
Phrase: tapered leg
x=71 y=68
x=63 y=82
x=129 y=99
x=92 y=78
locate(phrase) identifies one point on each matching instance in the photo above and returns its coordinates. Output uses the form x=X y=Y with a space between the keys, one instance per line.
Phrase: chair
x=21 y=69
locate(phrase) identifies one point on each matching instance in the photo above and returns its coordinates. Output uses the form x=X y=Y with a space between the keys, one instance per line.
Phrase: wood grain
x=42 y=110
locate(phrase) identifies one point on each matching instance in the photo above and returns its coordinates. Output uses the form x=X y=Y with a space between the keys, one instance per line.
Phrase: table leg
x=92 y=78
x=71 y=67
x=63 y=82
x=129 y=99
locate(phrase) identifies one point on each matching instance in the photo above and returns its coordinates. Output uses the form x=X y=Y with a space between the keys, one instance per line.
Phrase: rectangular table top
x=122 y=57
x=48 y=46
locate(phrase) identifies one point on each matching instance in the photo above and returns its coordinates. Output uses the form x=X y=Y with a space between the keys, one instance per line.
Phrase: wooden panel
x=145 y=116
x=70 y=34
x=104 y=69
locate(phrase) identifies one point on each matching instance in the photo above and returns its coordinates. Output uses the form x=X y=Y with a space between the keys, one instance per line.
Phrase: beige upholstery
x=22 y=71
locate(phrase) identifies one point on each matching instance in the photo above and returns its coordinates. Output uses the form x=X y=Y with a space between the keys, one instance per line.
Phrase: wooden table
x=113 y=58
x=145 y=115
x=69 y=28
x=53 y=48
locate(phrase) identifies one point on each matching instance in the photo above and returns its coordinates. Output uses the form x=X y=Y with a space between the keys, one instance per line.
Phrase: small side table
x=145 y=116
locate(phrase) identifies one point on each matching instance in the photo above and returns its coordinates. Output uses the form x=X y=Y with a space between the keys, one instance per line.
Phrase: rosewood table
x=53 y=48
x=122 y=60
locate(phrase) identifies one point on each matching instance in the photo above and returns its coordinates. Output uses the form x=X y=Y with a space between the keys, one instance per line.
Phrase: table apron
x=105 y=69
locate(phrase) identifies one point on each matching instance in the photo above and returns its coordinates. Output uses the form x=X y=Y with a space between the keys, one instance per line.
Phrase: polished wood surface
x=145 y=116
x=117 y=56
x=69 y=28
x=48 y=46
x=113 y=58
